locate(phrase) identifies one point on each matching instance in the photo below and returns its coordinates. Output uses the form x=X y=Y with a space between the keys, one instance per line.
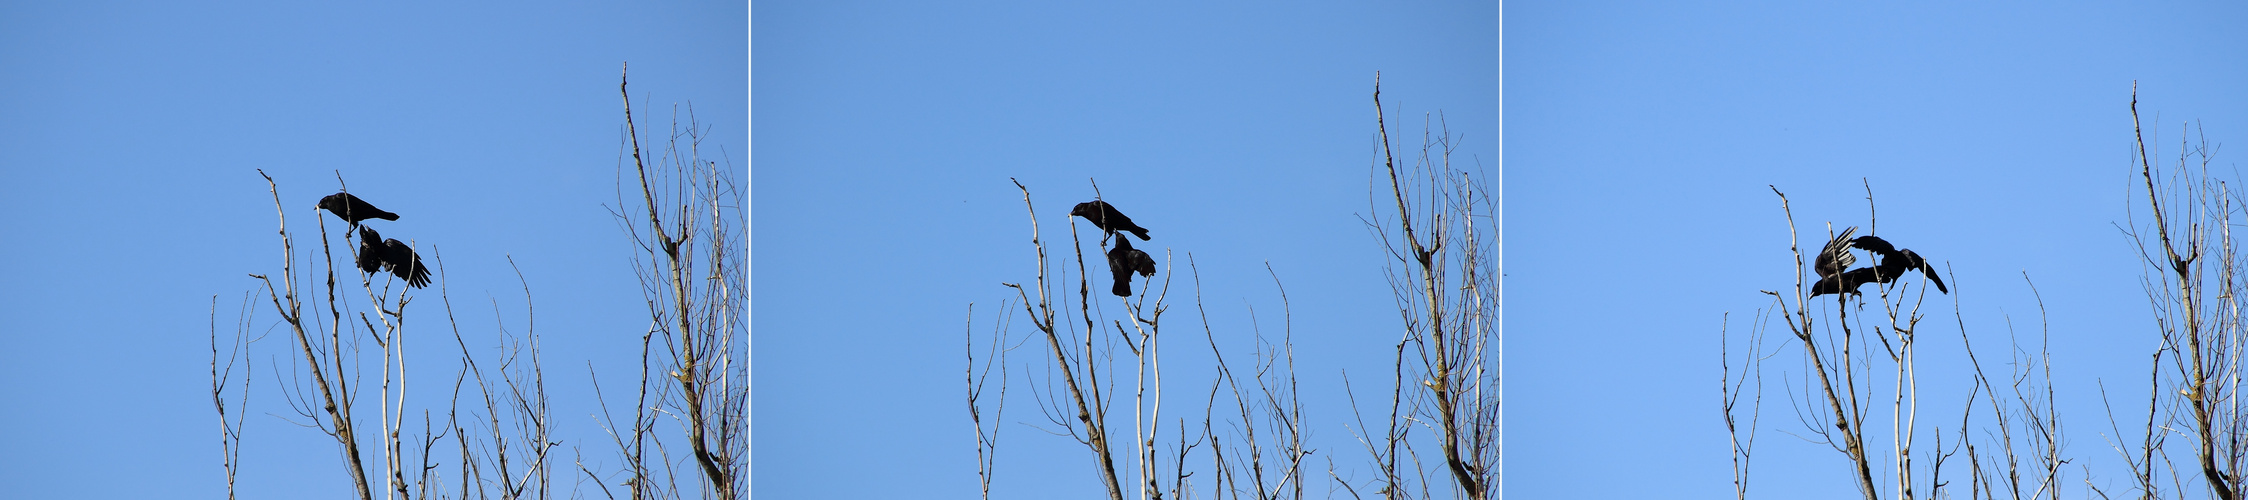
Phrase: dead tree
x=685 y=220
x=1444 y=274
x=2194 y=280
x=330 y=337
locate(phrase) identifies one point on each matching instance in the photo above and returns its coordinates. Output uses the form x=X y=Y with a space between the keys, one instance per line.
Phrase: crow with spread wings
x=376 y=253
x=1835 y=259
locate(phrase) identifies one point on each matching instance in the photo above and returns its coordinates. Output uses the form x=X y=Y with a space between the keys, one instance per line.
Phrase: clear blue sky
x=1641 y=138
x=1239 y=132
x=1996 y=138
x=128 y=157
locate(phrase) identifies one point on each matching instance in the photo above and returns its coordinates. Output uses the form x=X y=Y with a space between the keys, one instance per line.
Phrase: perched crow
x=370 y=250
x=1107 y=218
x=393 y=254
x=1894 y=263
x=1125 y=260
x=352 y=209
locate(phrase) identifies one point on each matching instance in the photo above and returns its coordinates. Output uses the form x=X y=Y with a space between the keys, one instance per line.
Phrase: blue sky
x=128 y=170
x=1238 y=132
x=1643 y=136
x=1996 y=138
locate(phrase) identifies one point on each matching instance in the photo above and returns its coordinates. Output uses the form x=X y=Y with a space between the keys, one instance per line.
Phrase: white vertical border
x=749 y=252
x=1500 y=220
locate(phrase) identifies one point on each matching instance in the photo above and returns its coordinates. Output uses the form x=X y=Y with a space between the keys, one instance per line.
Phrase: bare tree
x=694 y=278
x=518 y=463
x=1847 y=353
x=238 y=349
x=1076 y=359
x=330 y=335
x=987 y=438
x=2194 y=282
x=1742 y=440
x=2024 y=429
x=1096 y=362
x=694 y=371
x=1271 y=467
x=1253 y=422
x=2015 y=444
x=1444 y=274
x=325 y=359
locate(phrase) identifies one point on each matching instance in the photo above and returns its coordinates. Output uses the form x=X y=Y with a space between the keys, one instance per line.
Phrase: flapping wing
x=405 y=264
x=1142 y=263
x=1836 y=256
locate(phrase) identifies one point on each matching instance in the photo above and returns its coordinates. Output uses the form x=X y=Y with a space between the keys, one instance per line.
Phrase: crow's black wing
x=1914 y=260
x=405 y=264
x=1896 y=263
x=1874 y=244
x=1836 y=256
x=1118 y=222
x=1136 y=230
x=363 y=210
x=1142 y=263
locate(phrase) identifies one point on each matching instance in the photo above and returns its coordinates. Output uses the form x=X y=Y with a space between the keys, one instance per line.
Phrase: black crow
x=1107 y=218
x=1125 y=260
x=352 y=209
x=391 y=253
x=370 y=250
x=1846 y=281
x=1894 y=263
